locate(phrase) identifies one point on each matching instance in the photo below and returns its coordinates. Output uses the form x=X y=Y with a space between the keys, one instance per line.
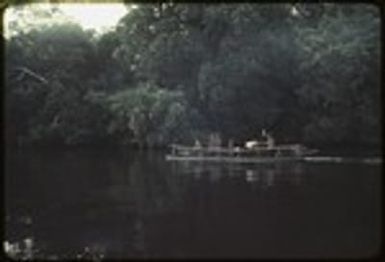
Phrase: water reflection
x=267 y=175
x=252 y=175
x=128 y=205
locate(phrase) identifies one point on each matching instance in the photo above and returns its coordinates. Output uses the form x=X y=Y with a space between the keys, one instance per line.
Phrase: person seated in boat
x=237 y=150
x=214 y=141
x=197 y=144
x=297 y=149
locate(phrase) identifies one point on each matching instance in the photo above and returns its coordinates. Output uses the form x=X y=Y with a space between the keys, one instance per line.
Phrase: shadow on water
x=125 y=204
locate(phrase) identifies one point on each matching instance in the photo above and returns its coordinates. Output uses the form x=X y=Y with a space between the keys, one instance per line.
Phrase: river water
x=126 y=204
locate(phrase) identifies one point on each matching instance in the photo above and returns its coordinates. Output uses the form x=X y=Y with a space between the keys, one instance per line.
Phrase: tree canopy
x=175 y=72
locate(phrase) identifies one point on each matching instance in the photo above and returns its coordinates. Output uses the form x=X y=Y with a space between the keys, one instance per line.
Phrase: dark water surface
x=125 y=204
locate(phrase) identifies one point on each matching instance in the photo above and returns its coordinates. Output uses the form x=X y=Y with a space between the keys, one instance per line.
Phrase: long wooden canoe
x=233 y=159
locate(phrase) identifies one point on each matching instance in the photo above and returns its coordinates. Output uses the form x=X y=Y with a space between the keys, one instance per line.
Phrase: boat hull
x=227 y=159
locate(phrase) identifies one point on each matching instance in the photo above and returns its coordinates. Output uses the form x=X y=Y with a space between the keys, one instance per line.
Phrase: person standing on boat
x=197 y=144
x=269 y=139
x=198 y=147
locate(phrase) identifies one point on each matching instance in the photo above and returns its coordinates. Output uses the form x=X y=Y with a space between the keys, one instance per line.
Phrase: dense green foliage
x=176 y=72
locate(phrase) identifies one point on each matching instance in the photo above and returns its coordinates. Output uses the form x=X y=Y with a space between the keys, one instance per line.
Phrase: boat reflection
x=268 y=175
x=252 y=175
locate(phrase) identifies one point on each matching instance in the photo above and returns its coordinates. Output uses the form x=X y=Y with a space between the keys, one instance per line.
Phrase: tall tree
x=341 y=79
